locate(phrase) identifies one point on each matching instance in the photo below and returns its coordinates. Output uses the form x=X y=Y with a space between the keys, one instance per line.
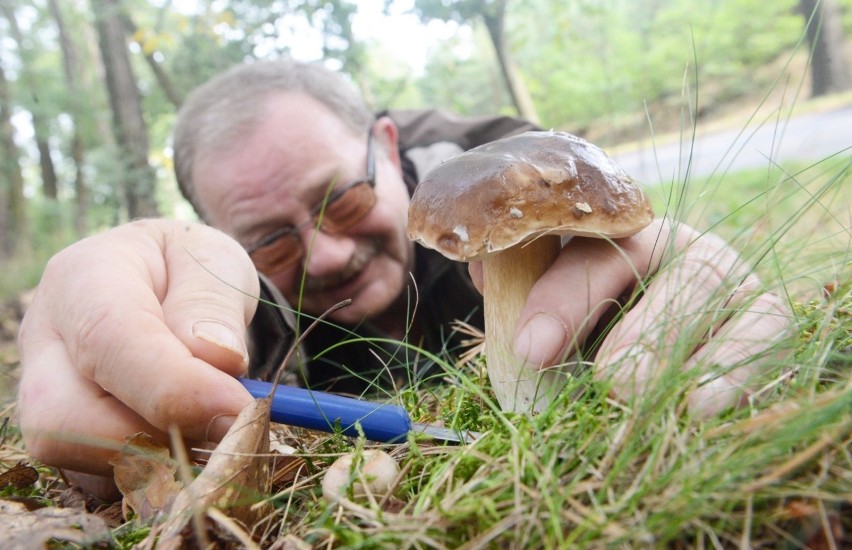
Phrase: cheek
x=285 y=283
x=386 y=224
x=393 y=198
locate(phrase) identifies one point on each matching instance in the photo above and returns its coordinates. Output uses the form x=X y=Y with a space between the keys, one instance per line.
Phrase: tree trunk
x=71 y=66
x=830 y=69
x=494 y=21
x=41 y=128
x=126 y=105
x=49 y=181
x=13 y=214
x=168 y=87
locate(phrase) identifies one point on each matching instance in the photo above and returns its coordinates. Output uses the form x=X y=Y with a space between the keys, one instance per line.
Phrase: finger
x=72 y=422
x=586 y=280
x=211 y=297
x=474 y=269
x=116 y=334
x=680 y=306
x=69 y=421
x=744 y=347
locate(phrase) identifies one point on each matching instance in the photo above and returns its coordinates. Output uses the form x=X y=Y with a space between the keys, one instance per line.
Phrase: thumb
x=212 y=295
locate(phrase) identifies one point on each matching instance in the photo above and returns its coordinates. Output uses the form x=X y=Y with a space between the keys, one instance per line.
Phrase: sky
x=399 y=32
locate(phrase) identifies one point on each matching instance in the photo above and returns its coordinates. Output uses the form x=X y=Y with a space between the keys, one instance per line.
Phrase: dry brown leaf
x=19 y=476
x=144 y=472
x=817 y=525
x=235 y=479
x=23 y=528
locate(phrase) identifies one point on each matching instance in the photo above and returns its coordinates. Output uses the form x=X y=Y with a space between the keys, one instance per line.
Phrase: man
x=145 y=326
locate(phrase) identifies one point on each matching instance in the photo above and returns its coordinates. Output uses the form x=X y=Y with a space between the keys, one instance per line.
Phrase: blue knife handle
x=322 y=411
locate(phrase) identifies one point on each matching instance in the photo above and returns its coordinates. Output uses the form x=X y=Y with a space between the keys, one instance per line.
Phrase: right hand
x=138 y=329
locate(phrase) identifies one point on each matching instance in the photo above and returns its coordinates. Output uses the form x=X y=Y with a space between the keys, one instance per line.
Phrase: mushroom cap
x=505 y=192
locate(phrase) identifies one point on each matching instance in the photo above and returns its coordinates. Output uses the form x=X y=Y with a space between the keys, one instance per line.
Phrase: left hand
x=701 y=307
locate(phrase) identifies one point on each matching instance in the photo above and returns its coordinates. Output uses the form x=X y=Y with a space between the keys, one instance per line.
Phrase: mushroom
x=374 y=473
x=506 y=204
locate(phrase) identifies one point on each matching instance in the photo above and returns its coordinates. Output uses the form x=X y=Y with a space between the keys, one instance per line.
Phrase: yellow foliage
x=226 y=17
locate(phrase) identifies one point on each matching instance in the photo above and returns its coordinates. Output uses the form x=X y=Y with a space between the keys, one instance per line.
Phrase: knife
x=328 y=412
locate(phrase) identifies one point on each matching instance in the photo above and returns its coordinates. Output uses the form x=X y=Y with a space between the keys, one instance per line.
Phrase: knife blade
x=327 y=412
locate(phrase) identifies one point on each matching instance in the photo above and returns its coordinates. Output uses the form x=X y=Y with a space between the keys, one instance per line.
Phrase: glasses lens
x=277 y=255
x=348 y=208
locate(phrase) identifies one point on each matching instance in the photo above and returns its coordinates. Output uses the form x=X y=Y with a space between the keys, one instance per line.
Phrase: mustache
x=363 y=255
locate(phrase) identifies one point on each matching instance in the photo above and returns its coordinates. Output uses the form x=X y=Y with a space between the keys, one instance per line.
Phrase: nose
x=326 y=254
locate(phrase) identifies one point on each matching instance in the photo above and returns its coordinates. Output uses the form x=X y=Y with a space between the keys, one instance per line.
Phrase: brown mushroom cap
x=510 y=190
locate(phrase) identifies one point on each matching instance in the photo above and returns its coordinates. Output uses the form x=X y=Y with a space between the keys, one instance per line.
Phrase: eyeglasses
x=340 y=210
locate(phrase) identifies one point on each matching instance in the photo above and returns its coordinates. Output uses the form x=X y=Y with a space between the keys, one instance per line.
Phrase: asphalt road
x=808 y=137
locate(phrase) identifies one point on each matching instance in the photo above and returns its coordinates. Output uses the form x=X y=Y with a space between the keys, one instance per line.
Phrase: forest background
x=89 y=90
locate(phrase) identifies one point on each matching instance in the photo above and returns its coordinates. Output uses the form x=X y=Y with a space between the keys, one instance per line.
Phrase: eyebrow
x=310 y=198
x=317 y=193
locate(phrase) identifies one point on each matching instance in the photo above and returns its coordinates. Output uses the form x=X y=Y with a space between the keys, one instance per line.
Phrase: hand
x=698 y=286
x=136 y=329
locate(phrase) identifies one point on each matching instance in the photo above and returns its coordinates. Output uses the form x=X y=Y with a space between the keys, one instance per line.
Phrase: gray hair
x=228 y=106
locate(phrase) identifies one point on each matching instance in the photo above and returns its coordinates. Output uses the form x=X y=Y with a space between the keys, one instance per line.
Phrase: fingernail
x=220 y=335
x=219 y=426
x=541 y=341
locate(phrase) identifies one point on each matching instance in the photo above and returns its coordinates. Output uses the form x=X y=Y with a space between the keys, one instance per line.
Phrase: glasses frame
x=317 y=212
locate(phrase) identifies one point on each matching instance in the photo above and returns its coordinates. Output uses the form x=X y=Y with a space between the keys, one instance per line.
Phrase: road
x=807 y=137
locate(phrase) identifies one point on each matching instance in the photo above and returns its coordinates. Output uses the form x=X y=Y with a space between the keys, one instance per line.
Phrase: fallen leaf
x=24 y=529
x=817 y=525
x=285 y=469
x=144 y=472
x=235 y=478
x=19 y=476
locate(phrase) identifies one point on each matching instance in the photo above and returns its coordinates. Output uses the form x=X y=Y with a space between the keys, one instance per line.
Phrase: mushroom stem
x=508 y=277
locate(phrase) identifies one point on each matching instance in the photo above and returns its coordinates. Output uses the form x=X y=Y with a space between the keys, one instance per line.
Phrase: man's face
x=274 y=178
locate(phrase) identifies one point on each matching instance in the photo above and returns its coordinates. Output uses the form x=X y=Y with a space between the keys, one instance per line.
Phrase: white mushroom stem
x=508 y=277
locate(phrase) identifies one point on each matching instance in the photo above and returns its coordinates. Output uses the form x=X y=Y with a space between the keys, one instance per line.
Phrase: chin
x=369 y=302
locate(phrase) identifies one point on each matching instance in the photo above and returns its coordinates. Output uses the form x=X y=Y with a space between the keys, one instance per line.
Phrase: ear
x=386 y=133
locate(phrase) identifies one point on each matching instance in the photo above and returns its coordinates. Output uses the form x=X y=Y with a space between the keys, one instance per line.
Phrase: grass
x=592 y=472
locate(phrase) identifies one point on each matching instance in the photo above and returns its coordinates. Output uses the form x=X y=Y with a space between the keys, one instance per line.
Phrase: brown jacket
x=352 y=359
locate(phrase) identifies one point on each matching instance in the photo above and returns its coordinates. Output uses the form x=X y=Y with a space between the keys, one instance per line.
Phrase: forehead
x=284 y=122
x=296 y=145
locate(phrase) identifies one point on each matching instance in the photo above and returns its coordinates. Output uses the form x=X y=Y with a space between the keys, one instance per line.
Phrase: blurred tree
x=131 y=132
x=608 y=70
x=493 y=14
x=37 y=107
x=71 y=68
x=469 y=84
x=831 y=71
x=13 y=214
x=174 y=95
